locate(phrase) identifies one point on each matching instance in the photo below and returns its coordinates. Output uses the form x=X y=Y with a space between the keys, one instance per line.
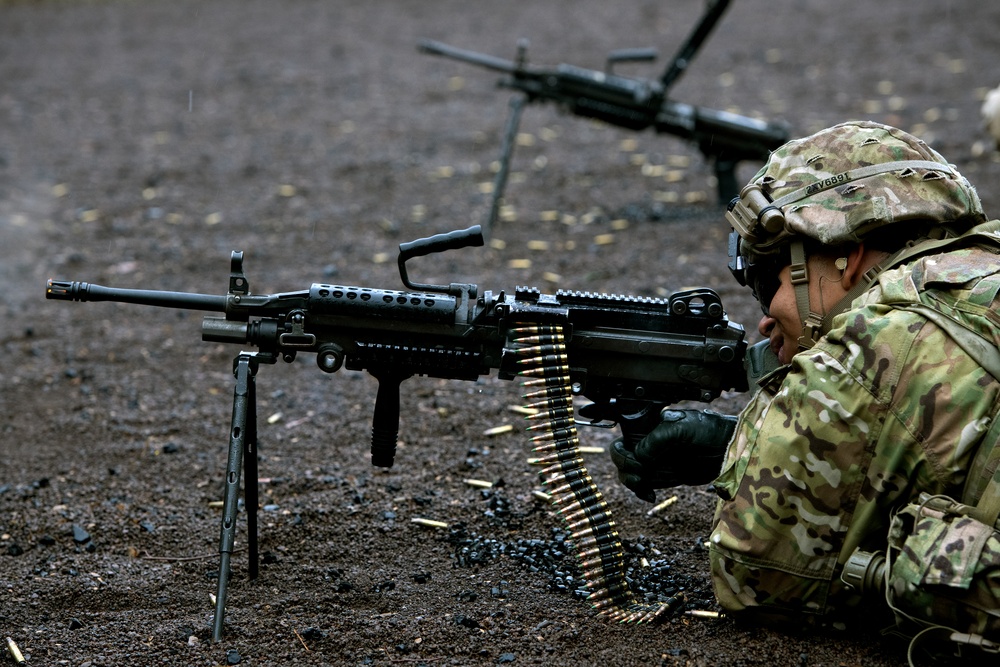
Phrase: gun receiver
x=632 y=356
x=724 y=138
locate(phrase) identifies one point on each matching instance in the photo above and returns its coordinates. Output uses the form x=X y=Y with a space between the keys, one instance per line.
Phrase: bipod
x=506 y=151
x=242 y=457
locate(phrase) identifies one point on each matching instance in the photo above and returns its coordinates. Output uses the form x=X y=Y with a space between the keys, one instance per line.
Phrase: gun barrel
x=474 y=57
x=65 y=290
x=721 y=133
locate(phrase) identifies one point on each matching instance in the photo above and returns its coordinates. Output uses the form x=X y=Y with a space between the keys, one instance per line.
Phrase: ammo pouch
x=943 y=568
x=940 y=572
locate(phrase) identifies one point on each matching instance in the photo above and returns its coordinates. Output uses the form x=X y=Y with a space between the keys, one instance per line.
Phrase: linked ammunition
x=573 y=486
x=551 y=360
x=558 y=434
x=554 y=424
x=560 y=455
x=594 y=511
x=563 y=402
x=557 y=446
x=598 y=518
x=539 y=340
x=549 y=414
x=547 y=382
x=595 y=529
x=596 y=540
x=549 y=393
x=603 y=566
x=564 y=470
x=611 y=550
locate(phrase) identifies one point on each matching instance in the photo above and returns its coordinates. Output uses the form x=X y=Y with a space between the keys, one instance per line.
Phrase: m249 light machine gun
x=723 y=137
x=630 y=356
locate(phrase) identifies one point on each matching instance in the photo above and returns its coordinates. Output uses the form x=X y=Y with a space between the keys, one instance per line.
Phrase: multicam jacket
x=885 y=406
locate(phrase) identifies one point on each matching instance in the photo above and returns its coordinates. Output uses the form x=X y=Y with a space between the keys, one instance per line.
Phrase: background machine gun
x=723 y=137
x=631 y=356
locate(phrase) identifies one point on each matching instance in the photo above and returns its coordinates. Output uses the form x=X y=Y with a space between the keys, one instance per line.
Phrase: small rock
x=80 y=535
x=75 y=624
x=505 y=658
x=233 y=657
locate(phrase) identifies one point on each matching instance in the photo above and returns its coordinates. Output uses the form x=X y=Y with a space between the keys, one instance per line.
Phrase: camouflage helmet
x=841 y=183
x=837 y=187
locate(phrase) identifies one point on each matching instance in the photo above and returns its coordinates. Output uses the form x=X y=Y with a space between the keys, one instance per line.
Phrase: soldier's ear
x=855 y=262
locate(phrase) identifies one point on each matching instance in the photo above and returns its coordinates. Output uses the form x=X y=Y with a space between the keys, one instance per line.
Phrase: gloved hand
x=687 y=447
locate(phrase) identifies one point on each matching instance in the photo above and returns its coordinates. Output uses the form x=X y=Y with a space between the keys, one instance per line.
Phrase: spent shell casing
x=15 y=652
x=662 y=506
x=430 y=523
x=541 y=495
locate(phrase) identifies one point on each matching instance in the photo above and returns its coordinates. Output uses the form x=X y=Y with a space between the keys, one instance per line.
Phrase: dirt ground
x=142 y=142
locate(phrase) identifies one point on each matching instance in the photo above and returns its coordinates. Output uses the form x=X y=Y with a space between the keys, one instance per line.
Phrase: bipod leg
x=509 y=140
x=244 y=428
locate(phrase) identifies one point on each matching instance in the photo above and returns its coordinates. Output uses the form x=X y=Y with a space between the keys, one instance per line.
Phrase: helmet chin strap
x=812 y=322
x=815 y=325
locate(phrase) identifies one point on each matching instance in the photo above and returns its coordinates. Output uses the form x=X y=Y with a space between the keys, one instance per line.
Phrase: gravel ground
x=142 y=142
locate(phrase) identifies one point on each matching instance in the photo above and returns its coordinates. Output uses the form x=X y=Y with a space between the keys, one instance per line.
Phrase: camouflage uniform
x=883 y=406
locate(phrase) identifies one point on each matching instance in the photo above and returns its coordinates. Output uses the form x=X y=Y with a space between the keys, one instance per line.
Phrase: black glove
x=687 y=447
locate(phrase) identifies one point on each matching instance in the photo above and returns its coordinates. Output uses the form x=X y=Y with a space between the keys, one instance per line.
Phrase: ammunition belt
x=594 y=537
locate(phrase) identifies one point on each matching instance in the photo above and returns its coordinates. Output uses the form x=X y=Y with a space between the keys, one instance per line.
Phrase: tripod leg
x=245 y=369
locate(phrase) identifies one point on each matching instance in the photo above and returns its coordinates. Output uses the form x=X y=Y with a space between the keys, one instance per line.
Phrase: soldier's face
x=782 y=324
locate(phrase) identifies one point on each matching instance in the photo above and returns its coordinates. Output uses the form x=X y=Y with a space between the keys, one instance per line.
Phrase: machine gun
x=723 y=137
x=631 y=356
